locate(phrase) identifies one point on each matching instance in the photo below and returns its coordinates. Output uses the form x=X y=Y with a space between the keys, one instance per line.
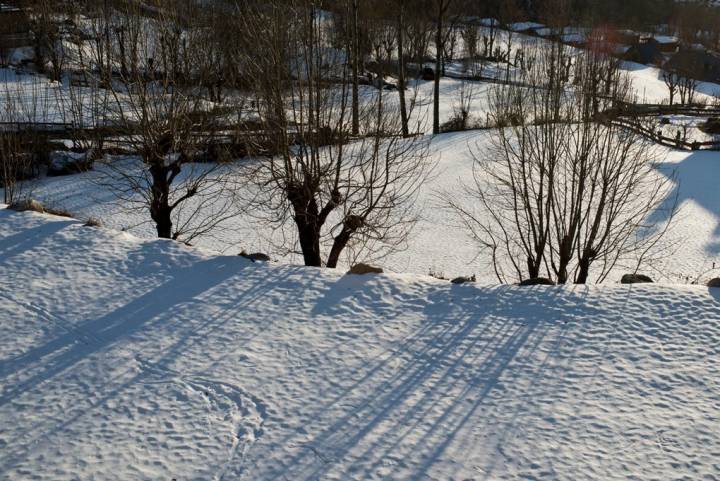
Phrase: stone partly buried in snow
x=714 y=282
x=635 y=279
x=362 y=269
x=463 y=280
x=537 y=281
x=255 y=257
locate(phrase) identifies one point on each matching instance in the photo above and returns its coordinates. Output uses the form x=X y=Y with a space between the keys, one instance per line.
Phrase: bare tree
x=672 y=81
x=341 y=196
x=441 y=10
x=401 y=66
x=47 y=22
x=22 y=148
x=165 y=120
x=687 y=87
x=561 y=192
x=469 y=34
x=355 y=56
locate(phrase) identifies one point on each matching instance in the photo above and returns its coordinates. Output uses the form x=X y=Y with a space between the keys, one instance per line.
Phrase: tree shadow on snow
x=64 y=351
x=695 y=179
x=29 y=238
x=415 y=402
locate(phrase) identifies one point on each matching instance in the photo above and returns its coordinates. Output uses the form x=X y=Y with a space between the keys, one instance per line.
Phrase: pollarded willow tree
x=563 y=192
x=161 y=110
x=344 y=194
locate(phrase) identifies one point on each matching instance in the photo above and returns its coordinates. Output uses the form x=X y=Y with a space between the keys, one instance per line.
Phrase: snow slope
x=439 y=242
x=123 y=358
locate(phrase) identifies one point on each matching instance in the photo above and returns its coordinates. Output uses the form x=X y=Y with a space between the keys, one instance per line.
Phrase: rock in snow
x=138 y=359
x=362 y=269
x=464 y=280
x=635 y=279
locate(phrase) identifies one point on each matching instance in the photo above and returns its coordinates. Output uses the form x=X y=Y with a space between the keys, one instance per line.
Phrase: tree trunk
x=309 y=237
x=401 y=70
x=533 y=268
x=583 y=270
x=159 y=204
x=350 y=226
x=564 y=257
x=356 y=69
x=307 y=219
x=438 y=65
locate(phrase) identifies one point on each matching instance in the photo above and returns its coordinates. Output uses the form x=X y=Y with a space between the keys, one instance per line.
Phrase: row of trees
x=333 y=163
x=160 y=79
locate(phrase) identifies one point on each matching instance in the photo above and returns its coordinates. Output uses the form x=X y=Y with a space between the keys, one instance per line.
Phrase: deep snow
x=123 y=358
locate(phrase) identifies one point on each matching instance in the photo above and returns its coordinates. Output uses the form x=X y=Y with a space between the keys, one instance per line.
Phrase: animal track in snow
x=238 y=411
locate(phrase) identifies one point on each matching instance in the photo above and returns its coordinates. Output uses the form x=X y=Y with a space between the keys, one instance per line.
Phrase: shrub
x=33 y=205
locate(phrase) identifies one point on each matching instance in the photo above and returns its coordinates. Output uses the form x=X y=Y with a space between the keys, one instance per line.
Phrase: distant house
x=647 y=52
x=571 y=35
x=701 y=65
x=667 y=43
x=546 y=32
x=620 y=50
x=628 y=37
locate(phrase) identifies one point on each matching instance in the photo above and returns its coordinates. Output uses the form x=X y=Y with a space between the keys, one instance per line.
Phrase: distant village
x=660 y=47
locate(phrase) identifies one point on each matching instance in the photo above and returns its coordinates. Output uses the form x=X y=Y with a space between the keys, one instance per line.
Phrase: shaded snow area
x=131 y=359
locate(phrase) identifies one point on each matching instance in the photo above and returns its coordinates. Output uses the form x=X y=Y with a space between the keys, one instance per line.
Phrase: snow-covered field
x=123 y=358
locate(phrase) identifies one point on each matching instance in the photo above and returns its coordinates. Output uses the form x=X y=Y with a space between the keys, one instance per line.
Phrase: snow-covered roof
x=545 y=32
x=573 y=37
x=524 y=26
x=666 y=39
x=483 y=22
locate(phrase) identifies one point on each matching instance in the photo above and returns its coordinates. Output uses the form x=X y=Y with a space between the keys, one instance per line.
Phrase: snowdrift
x=123 y=358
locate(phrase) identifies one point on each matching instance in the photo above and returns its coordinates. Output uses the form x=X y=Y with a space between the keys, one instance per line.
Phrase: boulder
x=537 y=281
x=255 y=257
x=463 y=280
x=362 y=269
x=714 y=282
x=635 y=279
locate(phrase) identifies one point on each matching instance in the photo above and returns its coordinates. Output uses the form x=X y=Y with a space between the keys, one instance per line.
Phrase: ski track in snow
x=135 y=359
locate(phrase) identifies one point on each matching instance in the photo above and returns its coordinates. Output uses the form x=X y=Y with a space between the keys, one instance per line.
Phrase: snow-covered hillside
x=123 y=358
x=439 y=242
